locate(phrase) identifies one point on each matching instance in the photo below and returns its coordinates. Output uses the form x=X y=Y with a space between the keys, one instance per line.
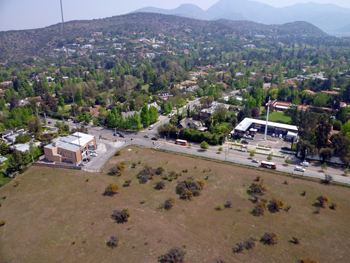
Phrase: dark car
x=154 y=139
x=49 y=122
x=121 y=135
x=145 y=136
x=115 y=134
x=245 y=141
x=285 y=148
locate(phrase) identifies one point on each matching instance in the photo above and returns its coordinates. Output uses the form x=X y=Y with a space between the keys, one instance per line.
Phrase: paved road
x=231 y=155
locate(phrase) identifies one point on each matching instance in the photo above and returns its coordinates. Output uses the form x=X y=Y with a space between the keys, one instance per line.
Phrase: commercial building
x=71 y=149
x=249 y=125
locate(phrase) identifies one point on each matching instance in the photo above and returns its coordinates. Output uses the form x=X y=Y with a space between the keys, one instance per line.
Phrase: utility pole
x=267 y=118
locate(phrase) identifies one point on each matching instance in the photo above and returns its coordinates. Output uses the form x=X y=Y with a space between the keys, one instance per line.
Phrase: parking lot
x=271 y=142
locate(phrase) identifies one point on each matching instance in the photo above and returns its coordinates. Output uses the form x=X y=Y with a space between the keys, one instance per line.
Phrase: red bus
x=268 y=165
x=182 y=142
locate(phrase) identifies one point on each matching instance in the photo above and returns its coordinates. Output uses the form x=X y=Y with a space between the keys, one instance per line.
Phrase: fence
x=57 y=166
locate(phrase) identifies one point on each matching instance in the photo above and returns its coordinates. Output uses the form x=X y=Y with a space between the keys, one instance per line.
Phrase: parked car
x=306 y=164
x=285 y=149
x=280 y=136
x=255 y=161
x=154 y=139
x=115 y=134
x=145 y=136
x=245 y=142
x=249 y=137
x=49 y=122
x=151 y=127
x=273 y=135
x=93 y=154
x=82 y=164
x=122 y=135
x=299 y=169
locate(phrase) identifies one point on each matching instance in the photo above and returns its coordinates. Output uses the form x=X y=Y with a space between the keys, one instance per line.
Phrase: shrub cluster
x=2 y=222
x=111 y=189
x=258 y=188
x=189 y=188
x=171 y=176
x=118 y=169
x=174 y=255
x=113 y=241
x=146 y=174
x=228 y=204
x=121 y=216
x=169 y=203
x=117 y=153
x=270 y=238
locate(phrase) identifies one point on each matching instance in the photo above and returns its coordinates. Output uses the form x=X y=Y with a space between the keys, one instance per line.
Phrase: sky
x=29 y=14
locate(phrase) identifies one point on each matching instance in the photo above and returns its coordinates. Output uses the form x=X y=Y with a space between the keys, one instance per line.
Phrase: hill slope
x=19 y=44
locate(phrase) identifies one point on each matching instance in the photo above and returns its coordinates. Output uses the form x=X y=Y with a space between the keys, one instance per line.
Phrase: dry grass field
x=54 y=215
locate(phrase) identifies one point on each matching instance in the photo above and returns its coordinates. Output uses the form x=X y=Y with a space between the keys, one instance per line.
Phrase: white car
x=93 y=154
x=255 y=161
x=306 y=164
x=299 y=169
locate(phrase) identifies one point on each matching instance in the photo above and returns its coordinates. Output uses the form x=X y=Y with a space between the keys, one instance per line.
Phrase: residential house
x=154 y=104
x=164 y=95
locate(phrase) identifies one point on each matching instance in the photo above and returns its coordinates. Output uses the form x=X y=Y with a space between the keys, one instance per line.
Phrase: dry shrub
x=322 y=200
x=228 y=204
x=333 y=206
x=270 y=238
x=2 y=222
x=117 y=153
x=275 y=205
x=238 y=248
x=127 y=183
x=169 y=203
x=307 y=260
x=260 y=208
x=259 y=178
x=121 y=216
x=219 y=207
x=249 y=243
x=174 y=255
x=159 y=185
x=159 y=170
x=113 y=241
x=111 y=190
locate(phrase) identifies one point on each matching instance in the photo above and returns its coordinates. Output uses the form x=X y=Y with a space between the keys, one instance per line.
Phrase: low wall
x=57 y=166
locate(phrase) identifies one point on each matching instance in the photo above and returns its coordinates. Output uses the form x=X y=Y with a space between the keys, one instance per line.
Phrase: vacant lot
x=280 y=116
x=54 y=215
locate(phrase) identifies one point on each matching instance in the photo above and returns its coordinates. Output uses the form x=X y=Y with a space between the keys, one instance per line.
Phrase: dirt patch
x=53 y=208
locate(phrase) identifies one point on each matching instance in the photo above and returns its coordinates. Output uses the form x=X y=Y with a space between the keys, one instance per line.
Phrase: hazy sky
x=27 y=14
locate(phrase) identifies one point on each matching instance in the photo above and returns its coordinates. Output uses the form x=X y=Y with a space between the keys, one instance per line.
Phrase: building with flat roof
x=273 y=127
x=70 y=149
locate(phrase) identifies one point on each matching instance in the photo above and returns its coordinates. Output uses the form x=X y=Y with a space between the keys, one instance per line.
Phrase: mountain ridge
x=330 y=18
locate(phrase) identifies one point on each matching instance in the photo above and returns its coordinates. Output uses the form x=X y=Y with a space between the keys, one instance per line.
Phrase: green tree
x=153 y=114
x=145 y=119
x=78 y=98
x=61 y=102
x=204 y=145
x=34 y=125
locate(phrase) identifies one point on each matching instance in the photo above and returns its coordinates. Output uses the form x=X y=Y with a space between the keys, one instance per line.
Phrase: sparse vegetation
x=307 y=260
x=219 y=207
x=174 y=255
x=260 y=208
x=117 y=153
x=258 y=188
x=333 y=206
x=146 y=174
x=2 y=222
x=275 y=205
x=118 y=169
x=127 y=183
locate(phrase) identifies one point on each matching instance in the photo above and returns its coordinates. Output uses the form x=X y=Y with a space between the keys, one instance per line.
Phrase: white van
x=151 y=127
